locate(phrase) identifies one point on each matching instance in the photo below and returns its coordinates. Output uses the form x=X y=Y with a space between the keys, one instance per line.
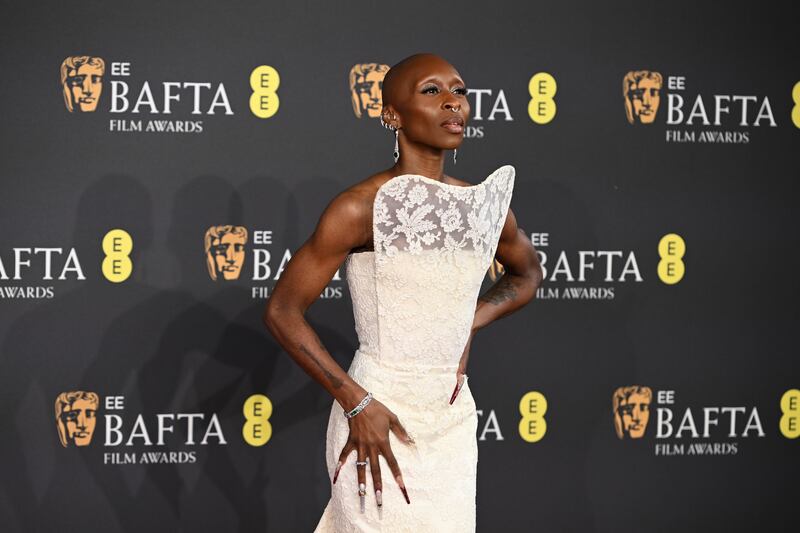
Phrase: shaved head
x=419 y=95
x=405 y=72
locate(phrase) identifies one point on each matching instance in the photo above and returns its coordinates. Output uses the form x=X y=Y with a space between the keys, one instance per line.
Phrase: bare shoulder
x=348 y=216
x=359 y=197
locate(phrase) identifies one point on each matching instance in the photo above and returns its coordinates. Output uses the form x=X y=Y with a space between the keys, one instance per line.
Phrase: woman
x=416 y=245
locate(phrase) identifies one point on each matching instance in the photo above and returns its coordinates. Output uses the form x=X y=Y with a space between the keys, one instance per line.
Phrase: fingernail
x=336 y=473
x=405 y=494
x=362 y=494
x=455 y=393
x=379 y=497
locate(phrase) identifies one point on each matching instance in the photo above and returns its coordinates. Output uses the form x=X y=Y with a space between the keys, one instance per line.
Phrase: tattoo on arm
x=501 y=291
x=336 y=382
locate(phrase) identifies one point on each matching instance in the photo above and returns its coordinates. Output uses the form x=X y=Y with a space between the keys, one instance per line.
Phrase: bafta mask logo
x=366 y=85
x=642 y=92
x=631 y=406
x=82 y=82
x=76 y=416
x=225 y=251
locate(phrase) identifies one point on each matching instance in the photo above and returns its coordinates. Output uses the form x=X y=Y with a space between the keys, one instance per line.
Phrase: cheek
x=425 y=123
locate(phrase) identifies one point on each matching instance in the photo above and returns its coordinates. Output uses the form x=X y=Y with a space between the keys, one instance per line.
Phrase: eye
x=462 y=90
x=426 y=89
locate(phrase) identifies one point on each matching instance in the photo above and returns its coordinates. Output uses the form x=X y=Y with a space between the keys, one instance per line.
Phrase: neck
x=425 y=161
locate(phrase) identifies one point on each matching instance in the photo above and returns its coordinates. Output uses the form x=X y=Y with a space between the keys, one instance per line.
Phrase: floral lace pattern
x=414 y=213
x=414 y=301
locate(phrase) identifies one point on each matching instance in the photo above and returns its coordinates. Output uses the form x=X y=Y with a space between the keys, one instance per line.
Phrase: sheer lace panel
x=416 y=214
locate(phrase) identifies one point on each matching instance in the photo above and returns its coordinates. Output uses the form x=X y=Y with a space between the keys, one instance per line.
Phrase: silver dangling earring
x=455 y=151
x=396 y=152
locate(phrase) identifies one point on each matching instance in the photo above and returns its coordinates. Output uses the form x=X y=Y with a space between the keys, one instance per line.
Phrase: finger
x=347 y=450
x=375 y=469
x=362 y=477
x=395 y=468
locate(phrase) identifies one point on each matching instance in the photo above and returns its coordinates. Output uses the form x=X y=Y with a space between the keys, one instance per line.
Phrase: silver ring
x=358 y=463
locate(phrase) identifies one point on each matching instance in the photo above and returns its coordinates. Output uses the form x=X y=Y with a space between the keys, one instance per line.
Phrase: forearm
x=509 y=293
x=301 y=342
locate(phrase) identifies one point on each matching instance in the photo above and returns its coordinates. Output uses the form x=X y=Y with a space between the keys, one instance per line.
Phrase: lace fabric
x=414 y=300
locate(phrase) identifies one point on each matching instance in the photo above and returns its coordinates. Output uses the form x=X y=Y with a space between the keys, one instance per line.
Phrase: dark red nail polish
x=336 y=474
x=405 y=494
x=455 y=393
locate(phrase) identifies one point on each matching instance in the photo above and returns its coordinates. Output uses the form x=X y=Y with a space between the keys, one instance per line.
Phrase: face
x=644 y=98
x=430 y=93
x=78 y=421
x=634 y=415
x=229 y=255
x=369 y=92
x=85 y=86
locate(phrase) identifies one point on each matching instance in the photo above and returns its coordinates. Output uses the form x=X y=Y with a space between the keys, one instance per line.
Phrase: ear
x=390 y=117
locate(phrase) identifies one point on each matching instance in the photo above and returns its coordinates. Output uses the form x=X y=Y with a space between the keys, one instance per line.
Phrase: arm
x=521 y=279
x=517 y=286
x=340 y=228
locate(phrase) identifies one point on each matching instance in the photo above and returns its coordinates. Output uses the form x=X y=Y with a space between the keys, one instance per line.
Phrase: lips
x=455 y=120
x=454 y=124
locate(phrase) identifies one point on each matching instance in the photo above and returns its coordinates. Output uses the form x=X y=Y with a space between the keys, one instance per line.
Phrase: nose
x=452 y=105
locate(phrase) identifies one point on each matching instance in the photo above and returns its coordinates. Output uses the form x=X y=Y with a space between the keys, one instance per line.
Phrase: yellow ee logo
x=542 y=88
x=264 y=101
x=117 y=247
x=532 y=407
x=671 y=249
x=790 y=407
x=257 y=410
x=796 y=107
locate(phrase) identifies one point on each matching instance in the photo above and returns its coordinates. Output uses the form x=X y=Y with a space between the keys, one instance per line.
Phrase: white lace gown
x=414 y=300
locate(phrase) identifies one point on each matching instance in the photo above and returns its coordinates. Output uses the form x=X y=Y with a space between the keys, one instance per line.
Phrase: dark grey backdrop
x=172 y=341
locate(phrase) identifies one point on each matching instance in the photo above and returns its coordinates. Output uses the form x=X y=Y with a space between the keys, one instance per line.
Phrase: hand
x=369 y=436
x=461 y=371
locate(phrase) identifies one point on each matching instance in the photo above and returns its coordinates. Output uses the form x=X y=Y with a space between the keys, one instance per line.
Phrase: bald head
x=407 y=71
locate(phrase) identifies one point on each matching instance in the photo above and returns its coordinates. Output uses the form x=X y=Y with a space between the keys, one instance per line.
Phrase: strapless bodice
x=414 y=296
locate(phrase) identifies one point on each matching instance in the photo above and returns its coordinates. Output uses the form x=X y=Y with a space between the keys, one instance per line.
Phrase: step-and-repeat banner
x=162 y=162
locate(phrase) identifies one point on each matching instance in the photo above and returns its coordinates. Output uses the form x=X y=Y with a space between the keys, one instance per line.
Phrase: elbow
x=271 y=314
x=536 y=276
x=278 y=312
